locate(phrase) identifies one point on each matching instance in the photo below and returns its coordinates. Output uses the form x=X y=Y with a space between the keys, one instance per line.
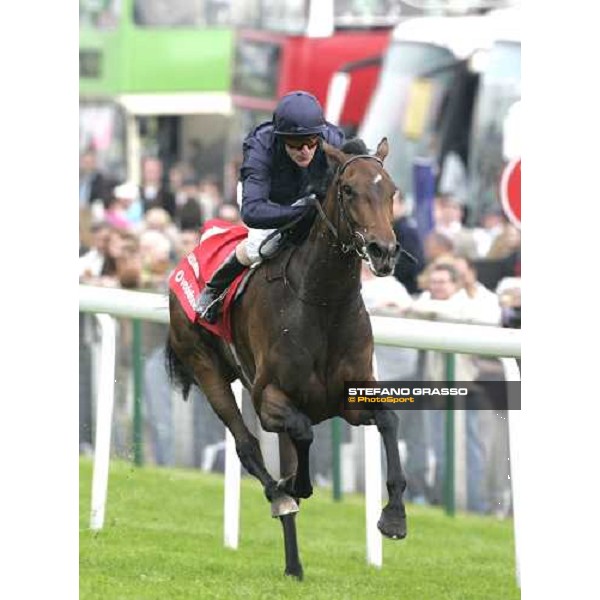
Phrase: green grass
x=163 y=531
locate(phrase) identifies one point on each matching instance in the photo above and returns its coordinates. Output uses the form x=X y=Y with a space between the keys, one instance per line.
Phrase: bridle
x=358 y=243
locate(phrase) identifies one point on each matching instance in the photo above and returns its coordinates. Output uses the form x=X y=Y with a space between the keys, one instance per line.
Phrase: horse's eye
x=347 y=190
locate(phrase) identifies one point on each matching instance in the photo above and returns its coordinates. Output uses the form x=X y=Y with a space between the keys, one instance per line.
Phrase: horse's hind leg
x=279 y=415
x=222 y=400
x=288 y=466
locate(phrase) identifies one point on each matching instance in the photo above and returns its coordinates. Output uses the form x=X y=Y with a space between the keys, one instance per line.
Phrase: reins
x=355 y=234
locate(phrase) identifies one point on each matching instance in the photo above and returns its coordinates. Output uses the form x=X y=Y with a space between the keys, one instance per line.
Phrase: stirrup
x=212 y=309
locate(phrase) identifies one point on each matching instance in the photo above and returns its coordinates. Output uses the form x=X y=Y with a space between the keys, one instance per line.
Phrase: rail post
x=336 y=443
x=449 y=495
x=138 y=383
x=104 y=415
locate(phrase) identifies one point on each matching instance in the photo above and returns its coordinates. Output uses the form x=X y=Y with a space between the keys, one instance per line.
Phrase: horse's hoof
x=303 y=491
x=290 y=486
x=392 y=524
x=296 y=573
x=286 y=485
x=283 y=505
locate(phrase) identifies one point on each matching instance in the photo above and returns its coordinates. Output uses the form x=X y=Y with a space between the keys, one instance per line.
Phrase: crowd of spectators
x=132 y=236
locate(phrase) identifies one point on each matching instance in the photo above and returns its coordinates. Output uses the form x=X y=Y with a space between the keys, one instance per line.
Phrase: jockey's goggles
x=297 y=143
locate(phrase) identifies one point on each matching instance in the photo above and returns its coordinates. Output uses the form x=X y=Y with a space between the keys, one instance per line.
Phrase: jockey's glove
x=309 y=200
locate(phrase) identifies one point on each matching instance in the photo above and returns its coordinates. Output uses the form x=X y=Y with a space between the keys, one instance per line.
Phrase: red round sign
x=510 y=192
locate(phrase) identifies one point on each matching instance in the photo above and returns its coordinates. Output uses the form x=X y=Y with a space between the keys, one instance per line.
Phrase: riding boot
x=210 y=299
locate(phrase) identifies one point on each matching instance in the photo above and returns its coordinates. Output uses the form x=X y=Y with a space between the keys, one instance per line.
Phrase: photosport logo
x=439 y=395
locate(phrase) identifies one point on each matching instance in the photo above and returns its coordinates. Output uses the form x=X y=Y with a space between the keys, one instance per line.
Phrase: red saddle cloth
x=218 y=240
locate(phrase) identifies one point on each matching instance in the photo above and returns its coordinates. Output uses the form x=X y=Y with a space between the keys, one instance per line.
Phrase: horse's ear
x=333 y=154
x=382 y=149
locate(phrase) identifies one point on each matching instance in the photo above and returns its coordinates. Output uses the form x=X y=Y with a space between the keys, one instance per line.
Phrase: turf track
x=163 y=540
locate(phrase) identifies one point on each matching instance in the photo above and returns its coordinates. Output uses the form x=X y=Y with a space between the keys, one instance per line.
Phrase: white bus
x=446 y=86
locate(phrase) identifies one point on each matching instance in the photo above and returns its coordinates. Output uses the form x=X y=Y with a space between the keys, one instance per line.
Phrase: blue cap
x=299 y=113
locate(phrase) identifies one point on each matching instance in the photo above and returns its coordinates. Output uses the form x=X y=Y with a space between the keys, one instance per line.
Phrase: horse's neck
x=324 y=271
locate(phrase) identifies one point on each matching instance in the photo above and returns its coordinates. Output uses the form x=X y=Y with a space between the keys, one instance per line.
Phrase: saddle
x=218 y=240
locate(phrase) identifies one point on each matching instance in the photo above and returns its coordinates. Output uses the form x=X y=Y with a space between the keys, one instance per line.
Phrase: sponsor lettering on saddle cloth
x=218 y=240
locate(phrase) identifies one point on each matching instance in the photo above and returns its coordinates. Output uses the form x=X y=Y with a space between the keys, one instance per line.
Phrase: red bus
x=299 y=44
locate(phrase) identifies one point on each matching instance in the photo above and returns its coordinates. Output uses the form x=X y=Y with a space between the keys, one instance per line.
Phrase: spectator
x=441 y=300
x=383 y=295
x=437 y=248
x=509 y=296
x=230 y=212
x=437 y=245
x=93 y=185
x=188 y=240
x=153 y=193
x=121 y=211
x=157 y=219
x=407 y=269
x=189 y=211
x=483 y=305
x=210 y=197
x=177 y=175
x=448 y=217
x=492 y=225
x=120 y=241
x=506 y=243
x=387 y=296
x=445 y=300
x=135 y=209
x=155 y=249
x=85 y=230
x=453 y=179
x=92 y=262
x=129 y=266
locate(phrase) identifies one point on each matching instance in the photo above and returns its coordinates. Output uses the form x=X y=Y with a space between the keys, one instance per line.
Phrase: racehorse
x=299 y=336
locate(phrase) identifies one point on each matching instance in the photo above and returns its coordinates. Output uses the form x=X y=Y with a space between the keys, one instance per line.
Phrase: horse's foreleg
x=278 y=414
x=393 y=516
x=392 y=522
x=288 y=466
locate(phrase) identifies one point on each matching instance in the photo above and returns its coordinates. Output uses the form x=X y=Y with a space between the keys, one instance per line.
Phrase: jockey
x=279 y=155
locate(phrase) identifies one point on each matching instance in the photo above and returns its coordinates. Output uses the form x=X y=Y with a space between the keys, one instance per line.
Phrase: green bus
x=154 y=78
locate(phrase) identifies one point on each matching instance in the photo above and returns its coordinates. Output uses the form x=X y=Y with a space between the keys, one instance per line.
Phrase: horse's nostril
x=396 y=248
x=374 y=250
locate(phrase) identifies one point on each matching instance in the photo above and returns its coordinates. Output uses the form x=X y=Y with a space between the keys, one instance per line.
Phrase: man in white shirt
x=91 y=263
x=483 y=306
x=387 y=296
x=446 y=299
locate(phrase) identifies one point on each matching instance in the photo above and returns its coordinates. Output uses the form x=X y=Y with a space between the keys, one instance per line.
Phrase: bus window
x=361 y=13
x=393 y=112
x=500 y=89
x=287 y=16
x=291 y=16
x=181 y=13
x=99 y=14
x=102 y=129
x=256 y=68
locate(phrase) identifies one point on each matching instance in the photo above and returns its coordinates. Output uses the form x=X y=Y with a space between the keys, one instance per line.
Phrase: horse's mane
x=355 y=146
x=319 y=183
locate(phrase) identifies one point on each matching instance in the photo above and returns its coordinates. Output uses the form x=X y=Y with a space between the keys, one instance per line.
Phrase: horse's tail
x=179 y=374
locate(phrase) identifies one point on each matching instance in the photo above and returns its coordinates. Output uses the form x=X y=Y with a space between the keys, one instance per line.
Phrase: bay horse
x=298 y=337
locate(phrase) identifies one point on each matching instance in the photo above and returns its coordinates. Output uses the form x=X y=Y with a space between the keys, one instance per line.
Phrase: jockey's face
x=301 y=149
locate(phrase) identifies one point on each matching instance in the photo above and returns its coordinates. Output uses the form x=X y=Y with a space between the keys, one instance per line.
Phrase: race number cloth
x=218 y=240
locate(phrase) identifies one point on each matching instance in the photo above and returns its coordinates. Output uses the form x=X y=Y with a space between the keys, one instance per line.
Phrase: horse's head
x=360 y=203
